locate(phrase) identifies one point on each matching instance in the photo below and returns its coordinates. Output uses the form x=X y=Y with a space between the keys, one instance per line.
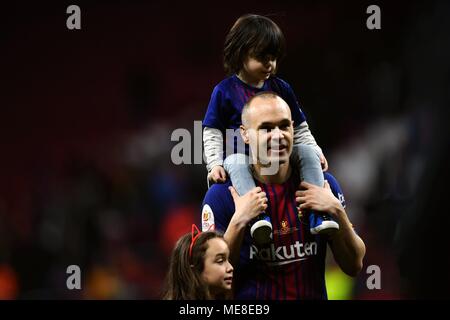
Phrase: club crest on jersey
x=299 y=214
x=207 y=218
x=284 y=227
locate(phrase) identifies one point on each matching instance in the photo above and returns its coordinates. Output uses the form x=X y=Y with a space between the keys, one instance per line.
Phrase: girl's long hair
x=184 y=280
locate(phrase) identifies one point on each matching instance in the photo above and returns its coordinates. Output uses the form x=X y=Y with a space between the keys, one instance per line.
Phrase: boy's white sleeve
x=302 y=135
x=213 y=145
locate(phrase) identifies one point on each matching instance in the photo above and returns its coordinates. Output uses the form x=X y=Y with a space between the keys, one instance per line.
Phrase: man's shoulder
x=218 y=207
x=218 y=190
x=331 y=179
x=335 y=187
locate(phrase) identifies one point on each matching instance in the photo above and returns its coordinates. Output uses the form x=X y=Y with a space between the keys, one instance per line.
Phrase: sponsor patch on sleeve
x=341 y=199
x=207 y=218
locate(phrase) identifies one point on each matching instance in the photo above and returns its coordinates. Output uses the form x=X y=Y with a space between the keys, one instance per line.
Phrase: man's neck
x=282 y=175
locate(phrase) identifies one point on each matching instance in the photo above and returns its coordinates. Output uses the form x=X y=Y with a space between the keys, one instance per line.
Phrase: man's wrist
x=238 y=221
x=341 y=217
x=337 y=210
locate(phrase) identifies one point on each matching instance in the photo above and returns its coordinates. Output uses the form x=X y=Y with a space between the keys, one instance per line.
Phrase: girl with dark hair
x=253 y=48
x=199 y=268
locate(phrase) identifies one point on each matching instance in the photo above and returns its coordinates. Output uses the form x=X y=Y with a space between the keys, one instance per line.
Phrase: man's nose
x=277 y=133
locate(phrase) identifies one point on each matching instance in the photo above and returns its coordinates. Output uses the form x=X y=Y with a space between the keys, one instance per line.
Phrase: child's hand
x=217 y=174
x=323 y=162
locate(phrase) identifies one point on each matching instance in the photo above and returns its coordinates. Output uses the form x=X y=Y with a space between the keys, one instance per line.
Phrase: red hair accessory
x=193 y=238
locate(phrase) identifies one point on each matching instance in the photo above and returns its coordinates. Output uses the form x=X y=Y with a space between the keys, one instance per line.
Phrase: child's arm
x=302 y=135
x=213 y=145
x=213 y=122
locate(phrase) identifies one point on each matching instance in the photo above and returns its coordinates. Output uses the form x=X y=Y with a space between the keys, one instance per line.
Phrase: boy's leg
x=311 y=171
x=238 y=168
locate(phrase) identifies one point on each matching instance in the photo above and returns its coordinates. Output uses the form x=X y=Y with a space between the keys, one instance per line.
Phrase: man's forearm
x=234 y=235
x=348 y=249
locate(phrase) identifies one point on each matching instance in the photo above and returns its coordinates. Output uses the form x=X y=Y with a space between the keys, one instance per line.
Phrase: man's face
x=269 y=130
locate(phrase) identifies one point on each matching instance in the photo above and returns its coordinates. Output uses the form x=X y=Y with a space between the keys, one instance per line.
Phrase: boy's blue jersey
x=293 y=267
x=230 y=95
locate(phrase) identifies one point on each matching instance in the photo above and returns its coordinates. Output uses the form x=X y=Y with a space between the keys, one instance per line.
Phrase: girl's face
x=218 y=271
x=259 y=69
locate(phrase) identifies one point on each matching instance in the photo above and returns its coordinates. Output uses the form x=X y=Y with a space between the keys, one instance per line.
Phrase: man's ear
x=244 y=134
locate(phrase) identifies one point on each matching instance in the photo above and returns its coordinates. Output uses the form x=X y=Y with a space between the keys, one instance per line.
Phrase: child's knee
x=308 y=153
x=236 y=159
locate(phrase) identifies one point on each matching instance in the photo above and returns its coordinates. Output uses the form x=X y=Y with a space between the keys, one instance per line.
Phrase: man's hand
x=250 y=205
x=323 y=162
x=317 y=198
x=217 y=174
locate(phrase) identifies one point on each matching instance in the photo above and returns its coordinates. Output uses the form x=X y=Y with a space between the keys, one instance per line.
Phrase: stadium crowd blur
x=86 y=117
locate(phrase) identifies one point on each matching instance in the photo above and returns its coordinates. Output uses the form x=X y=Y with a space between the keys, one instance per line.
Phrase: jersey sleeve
x=217 y=208
x=335 y=187
x=214 y=117
x=297 y=114
x=337 y=191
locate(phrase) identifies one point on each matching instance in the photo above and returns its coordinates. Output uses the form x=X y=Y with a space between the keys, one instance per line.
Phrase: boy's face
x=218 y=271
x=260 y=69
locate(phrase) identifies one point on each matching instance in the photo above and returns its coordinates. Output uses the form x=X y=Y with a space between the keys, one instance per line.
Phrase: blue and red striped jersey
x=293 y=267
x=229 y=96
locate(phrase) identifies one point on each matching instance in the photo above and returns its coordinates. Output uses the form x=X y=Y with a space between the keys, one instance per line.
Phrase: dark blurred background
x=86 y=118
